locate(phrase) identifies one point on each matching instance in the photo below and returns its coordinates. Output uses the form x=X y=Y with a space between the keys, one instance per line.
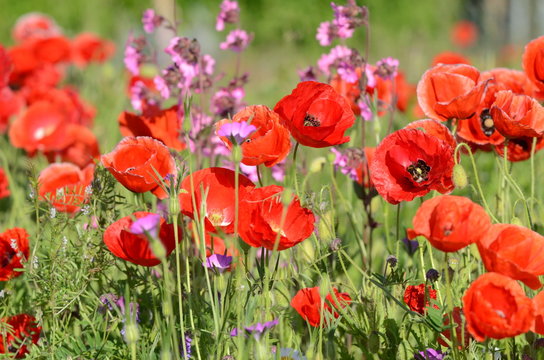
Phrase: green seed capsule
x=459 y=176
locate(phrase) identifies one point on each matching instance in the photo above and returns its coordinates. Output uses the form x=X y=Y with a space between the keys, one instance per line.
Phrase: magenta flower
x=151 y=20
x=146 y=225
x=308 y=74
x=162 y=86
x=256 y=330
x=218 y=262
x=237 y=41
x=429 y=354
x=236 y=131
x=133 y=54
x=366 y=112
x=326 y=33
x=227 y=101
x=229 y=14
x=386 y=68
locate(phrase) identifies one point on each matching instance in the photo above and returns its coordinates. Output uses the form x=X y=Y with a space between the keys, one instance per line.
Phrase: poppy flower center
x=419 y=171
x=216 y=218
x=487 y=123
x=6 y=257
x=311 y=120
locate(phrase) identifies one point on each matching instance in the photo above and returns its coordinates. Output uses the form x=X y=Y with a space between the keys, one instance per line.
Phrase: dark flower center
x=419 y=171
x=6 y=257
x=311 y=120
x=487 y=123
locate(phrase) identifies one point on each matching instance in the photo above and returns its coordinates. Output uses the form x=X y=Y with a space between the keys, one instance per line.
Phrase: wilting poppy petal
x=14 y=248
x=495 y=306
x=25 y=332
x=517 y=115
x=417 y=297
x=308 y=303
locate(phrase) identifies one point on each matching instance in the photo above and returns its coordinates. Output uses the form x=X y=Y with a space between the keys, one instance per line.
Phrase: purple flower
x=366 y=112
x=186 y=350
x=162 y=86
x=411 y=245
x=348 y=161
x=237 y=40
x=256 y=330
x=146 y=225
x=133 y=54
x=429 y=354
x=349 y=17
x=387 y=68
x=326 y=33
x=308 y=74
x=151 y=20
x=218 y=262
x=227 y=101
x=249 y=171
x=230 y=14
x=237 y=131
x=278 y=171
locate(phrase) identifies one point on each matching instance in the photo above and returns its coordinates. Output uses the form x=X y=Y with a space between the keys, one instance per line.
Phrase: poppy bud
x=132 y=334
x=459 y=176
x=516 y=221
x=317 y=165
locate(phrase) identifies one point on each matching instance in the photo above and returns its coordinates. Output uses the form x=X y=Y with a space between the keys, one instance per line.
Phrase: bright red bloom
x=363 y=170
x=461 y=332
x=350 y=90
x=495 y=306
x=14 y=249
x=450 y=222
x=308 y=303
x=265 y=221
x=417 y=298
x=51 y=50
x=34 y=25
x=164 y=125
x=533 y=62
x=449 y=57
x=125 y=244
x=139 y=163
x=316 y=115
x=4 y=185
x=83 y=149
x=213 y=188
x=514 y=251
x=64 y=185
x=269 y=144
x=519 y=149
x=387 y=90
x=517 y=115
x=214 y=243
x=450 y=91
x=24 y=332
x=410 y=163
x=434 y=128
x=88 y=47
x=464 y=33
x=538 y=302
x=10 y=104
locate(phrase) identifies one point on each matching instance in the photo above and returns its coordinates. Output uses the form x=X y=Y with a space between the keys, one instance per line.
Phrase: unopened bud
x=459 y=176
x=132 y=334
x=318 y=164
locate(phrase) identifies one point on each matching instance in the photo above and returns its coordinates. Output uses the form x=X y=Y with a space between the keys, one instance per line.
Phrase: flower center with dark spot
x=419 y=171
x=311 y=120
x=487 y=123
x=6 y=257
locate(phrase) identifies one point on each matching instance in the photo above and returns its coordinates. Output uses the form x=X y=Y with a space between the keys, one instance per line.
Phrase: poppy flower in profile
x=88 y=47
x=520 y=149
x=4 y=184
x=316 y=115
x=450 y=91
x=128 y=238
x=533 y=61
x=514 y=251
x=265 y=221
x=164 y=125
x=464 y=33
x=517 y=115
x=214 y=189
x=34 y=25
x=449 y=57
x=269 y=144
x=139 y=163
x=450 y=222
x=24 y=332
x=461 y=332
x=14 y=249
x=495 y=306
x=82 y=150
x=410 y=163
x=308 y=303
x=417 y=297
x=64 y=185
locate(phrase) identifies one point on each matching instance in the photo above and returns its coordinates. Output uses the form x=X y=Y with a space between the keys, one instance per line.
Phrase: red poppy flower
x=495 y=306
x=88 y=47
x=308 y=303
x=461 y=332
x=164 y=125
x=139 y=163
x=417 y=298
x=316 y=115
x=34 y=25
x=387 y=90
x=450 y=222
x=350 y=90
x=24 y=332
x=265 y=221
x=449 y=57
x=213 y=188
x=464 y=33
x=13 y=250
x=363 y=170
x=52 y=50
x=479 y=130
x=533 y=61
x=269 y=144
x=514 y=251
x=82 y=150
x=4 y=185
x=520 y=149
x=10 y=104
x=125 y=242
x=450 y=91
x=214 y=243
x=434 y=128
x=538 y=302
x=64 y=185
x=5 y=67
x=410 y=163
x=517 y=115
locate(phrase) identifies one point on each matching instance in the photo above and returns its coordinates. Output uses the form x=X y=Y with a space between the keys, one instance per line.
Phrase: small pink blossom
x=229 y=14
x=151 y=20
x=386 y=68
x=237 y=41
x=366 y=112
x=326 y=33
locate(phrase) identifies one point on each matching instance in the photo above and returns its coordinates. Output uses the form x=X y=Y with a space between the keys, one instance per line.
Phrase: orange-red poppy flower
x=316 y=115
x=495 y=306
x=434 y=128
x=517 y=115
x=450 y=91
x=88 y=47
x=450 y=222
x=479 y=130
x=449 y=57
x=462 y=335
x=309 y=304
x=141 y=164
x=214 y=243
x=533 y=61
x=214 y=189
x=5 y=67
x=10 y=104
x=417 y=297
x=269 y=144
x=464 y=33
x=514 y=251
x=538 y=302
x=128 y=239
x=34 y=25
x=410 y=163
x=164 y=125
x=83 y=149
x=14 y=249
x=24 y=332
x=363 y=170
x=64 y=185
x=265 y=221
x=519 y=149
x=388 y=90
x=52 y=50
x=350 y=90
x=4 y=184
